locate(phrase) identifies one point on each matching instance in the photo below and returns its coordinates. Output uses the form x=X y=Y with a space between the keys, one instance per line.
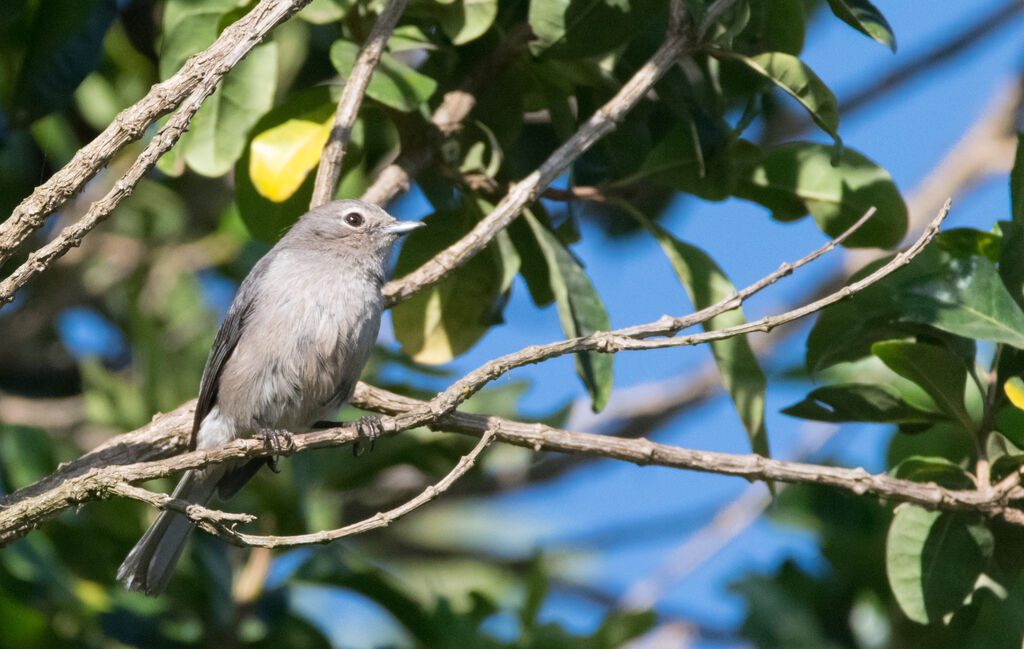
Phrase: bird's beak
x=403 y=227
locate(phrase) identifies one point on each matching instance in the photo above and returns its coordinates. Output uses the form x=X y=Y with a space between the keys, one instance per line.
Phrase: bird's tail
x=150 y=564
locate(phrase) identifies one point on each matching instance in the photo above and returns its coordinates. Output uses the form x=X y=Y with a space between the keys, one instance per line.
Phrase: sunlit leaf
x=467 y=20
x=393 y=83
x=865 y=18
x=933 y=560
x=281 y=157
x=741 y=375
x=218 y=132
x=445 y=320
x=798 y=81
x=799 y=178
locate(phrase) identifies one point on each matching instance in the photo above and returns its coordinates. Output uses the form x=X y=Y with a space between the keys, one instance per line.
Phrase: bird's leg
x=277 y=439
x=368 y=427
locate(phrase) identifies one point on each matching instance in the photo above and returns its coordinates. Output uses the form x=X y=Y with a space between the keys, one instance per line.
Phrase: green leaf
x=267 y=219
x=393 y=83
x=798 y=81
x=579 y=310
x=1017 y=182
x=466 y=20
x=218 y=133
x=1011 y=262
x=935 y=469
x=785 y=25
x=188 y=27
x=586 y=28
x=857 y=402
x=933 y=561
x=65 y=43
x=799 y=178
x=965 y=296
x=942 y=374
x=865 y=18
x=281 y=157
x=706 y=284
x=445 y=320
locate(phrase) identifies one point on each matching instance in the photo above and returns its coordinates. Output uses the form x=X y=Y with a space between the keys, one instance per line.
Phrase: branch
x=71 y=236
x=447 y=119
x=521 y=194
x=348 y=104
x=223 y=526
x=212 y=63
x=84 y=480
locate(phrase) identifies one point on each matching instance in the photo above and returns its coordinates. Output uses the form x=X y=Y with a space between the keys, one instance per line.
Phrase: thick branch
x=212 y=63
x=348 y=105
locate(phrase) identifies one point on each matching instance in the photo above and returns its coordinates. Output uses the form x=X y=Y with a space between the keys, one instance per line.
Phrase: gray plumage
x=287 y=355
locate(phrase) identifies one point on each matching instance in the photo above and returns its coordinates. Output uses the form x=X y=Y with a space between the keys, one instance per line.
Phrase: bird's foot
x=278 y=440
x=370 y=428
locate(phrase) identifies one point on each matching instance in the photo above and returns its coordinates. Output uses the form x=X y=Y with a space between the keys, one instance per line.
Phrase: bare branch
x=602 y=122
x=215 y=523
x=211 y=64
x=348 y=105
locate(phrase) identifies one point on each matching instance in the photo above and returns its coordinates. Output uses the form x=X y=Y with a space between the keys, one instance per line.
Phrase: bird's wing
x=227 y=337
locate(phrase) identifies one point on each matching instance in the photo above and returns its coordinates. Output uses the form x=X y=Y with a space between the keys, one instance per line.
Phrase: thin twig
x=215 y=525
x=212 y=63
x=351 y=98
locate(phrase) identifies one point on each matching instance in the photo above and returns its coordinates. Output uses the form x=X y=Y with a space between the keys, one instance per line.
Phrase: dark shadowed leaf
x=584 y=28
x=580 y=310
x=741 y=375
x=933 y=560
x=64 y=45
x=1017 y=182
x=799 y=178
x=393 y=83
x=865 y=18
x=857 y=402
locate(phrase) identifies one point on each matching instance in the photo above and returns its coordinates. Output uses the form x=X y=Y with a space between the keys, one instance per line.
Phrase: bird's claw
x=370 y=428
x=278 y=440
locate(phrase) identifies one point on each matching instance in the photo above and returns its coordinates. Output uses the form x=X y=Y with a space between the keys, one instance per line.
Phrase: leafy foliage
x=903 y=352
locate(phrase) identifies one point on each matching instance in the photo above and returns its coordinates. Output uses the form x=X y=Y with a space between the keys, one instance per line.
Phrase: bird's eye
x=355 y=219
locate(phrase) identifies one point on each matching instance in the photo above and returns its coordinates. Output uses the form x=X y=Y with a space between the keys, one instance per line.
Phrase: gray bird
x=287 y=356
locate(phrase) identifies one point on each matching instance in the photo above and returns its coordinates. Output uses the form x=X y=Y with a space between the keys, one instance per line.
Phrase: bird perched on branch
x=287 y=356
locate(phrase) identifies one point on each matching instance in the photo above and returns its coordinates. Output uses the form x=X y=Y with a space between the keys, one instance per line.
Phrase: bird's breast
x=299 y=358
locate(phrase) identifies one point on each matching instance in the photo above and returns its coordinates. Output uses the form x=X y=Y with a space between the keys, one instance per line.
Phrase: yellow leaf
x=281 y=157
x=1014 y=388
